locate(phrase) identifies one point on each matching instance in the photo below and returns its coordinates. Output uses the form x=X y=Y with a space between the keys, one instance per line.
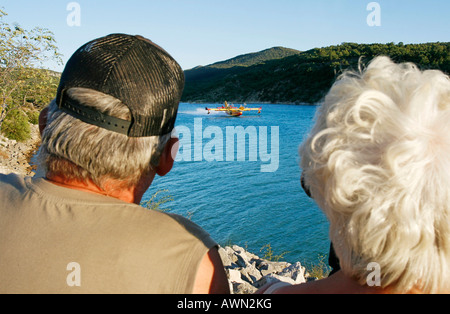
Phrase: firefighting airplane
x=233 y=111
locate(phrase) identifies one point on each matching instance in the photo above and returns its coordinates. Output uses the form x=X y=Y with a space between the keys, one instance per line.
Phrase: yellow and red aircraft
x=233 y=111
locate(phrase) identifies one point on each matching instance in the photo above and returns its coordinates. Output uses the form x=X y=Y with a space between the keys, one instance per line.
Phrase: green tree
x=16 y=126
x=22 y=77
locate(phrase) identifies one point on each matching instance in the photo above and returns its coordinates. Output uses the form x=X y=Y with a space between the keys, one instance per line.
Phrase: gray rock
x=14 y=156
x=268 y=267
x=244 y=288
x=226 y=259
x=296 y=272
x=251 y=274
x=235 y=276
x=247 y=272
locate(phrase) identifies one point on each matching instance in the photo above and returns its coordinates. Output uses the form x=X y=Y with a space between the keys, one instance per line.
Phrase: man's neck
x=112 y=188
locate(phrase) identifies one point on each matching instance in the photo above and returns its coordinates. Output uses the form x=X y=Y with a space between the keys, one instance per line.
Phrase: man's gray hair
x=81 y=151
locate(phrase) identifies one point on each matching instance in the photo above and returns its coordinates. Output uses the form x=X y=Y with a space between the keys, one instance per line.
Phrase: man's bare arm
x=211 y=277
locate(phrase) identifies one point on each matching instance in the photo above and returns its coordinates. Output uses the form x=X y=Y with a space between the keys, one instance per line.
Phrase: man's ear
x=167 y=157
x=43 y=120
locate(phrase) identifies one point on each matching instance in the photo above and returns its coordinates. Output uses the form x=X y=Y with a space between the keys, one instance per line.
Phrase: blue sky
x=201 y=32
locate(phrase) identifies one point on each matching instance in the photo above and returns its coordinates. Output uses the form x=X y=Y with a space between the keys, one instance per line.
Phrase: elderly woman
x=377 y=162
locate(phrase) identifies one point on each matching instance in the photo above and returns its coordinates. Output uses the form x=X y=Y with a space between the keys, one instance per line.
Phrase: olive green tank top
x=58 y=240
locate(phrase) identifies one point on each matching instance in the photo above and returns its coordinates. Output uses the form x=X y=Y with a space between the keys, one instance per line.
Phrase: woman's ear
x=167 y=157
x=43 y=120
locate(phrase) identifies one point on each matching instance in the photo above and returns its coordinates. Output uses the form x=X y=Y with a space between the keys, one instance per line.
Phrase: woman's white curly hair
x=377 y=162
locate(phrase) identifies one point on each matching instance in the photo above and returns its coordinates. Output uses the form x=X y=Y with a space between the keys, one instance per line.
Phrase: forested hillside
x=255 y=58
x=302 y=77
x=217 y=70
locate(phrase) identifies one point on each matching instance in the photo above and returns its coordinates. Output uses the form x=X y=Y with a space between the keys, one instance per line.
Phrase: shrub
x=33 y=117
x=16 y=126
x=270 y=255
x=155 y=202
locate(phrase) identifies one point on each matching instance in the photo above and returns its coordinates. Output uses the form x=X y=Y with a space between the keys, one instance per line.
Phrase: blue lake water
x=231 y=196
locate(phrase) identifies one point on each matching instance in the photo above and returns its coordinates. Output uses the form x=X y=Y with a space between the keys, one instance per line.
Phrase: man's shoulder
x=185 y=223
x=10 y=177
x=12 y=181
x=187 y=226
x=142 y=224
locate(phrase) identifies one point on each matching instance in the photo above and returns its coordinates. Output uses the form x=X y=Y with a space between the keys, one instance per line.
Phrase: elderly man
x=104 y=138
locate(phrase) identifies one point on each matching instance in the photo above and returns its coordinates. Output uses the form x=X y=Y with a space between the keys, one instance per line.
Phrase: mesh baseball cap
x=132 y=69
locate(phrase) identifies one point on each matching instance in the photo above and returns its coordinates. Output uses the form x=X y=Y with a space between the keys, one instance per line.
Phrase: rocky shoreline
x=246 y=272
x=15 y=156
